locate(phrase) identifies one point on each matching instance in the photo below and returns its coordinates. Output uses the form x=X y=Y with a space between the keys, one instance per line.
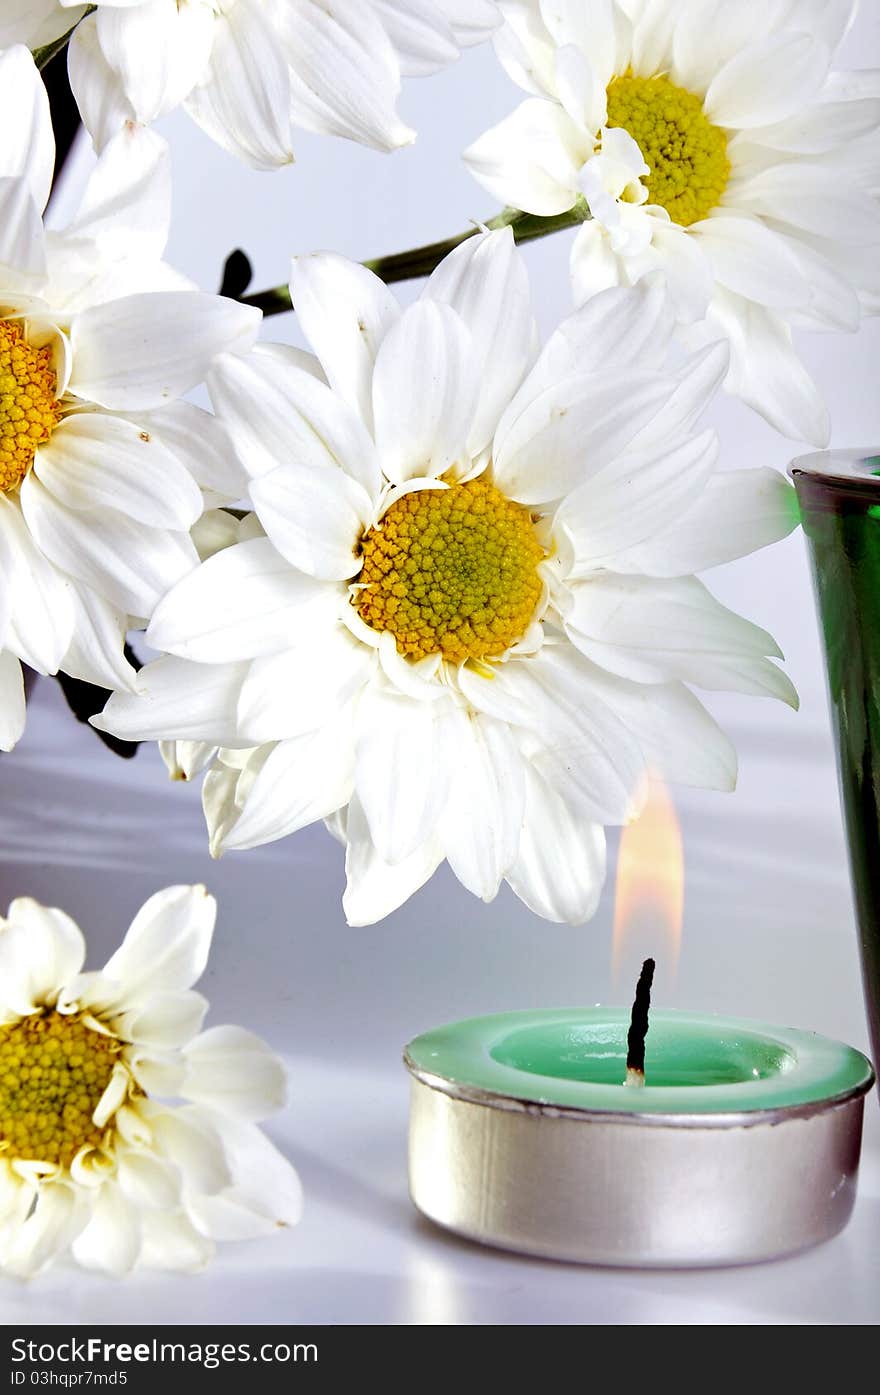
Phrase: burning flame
x=650 y=886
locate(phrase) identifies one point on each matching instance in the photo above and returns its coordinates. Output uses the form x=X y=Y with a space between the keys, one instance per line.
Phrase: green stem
x=421 y=261
x=44 y=55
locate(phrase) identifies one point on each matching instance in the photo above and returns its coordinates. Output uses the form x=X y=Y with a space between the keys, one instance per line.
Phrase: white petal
x=47 y=1231
x=40 y=622
x=344 y=75
x=813 y=197
x=482 y=820
x=375 y=888
x=653 y=631
x=96 y=652
x=420 y=34
x=12 y=701
x=822 y=127
x=157 y=1075
x=187 y=1138
x=266 y=1194
x=201 y=443
x=766 y=372
x=159 y=50
x=126 y=207
x=179 y=700
x=35 y=22
x=708 y=33
x=147 y=1181
x=584 y=748
x=753 y=261
x=7 y=573
x=472 y=21
x=594 y=265
x=560 y=865
x=166 y=1020
x=401 y=771
x=485 y=281
x=185 y=760
x=573 y=430
x=244 y=100
x=831 y=19
x=99 y=93
x=244 y=601
x=616 y=329
x=216 y=530
x=531 y=159
x=166 y=946
x=738 y=512
x=676 y=734
x=111 y=1240
x=301 y=688
x=580 y=91
x=636 y=497
x=128 y=563
x=22 y=251
x=678 y=253
x=315 y=518
x=98 y=461
x=48 y=946
x=833 y=298
x=767 y=81
x=118 y=1087
x=146 y=350
x=235 y=1072
x=219 y=804
x=589 y=25
x=171 y=1241
x=134 y=1122
x=304 y=779
x=425 y=391
x=28 y=146
x=697 y=381
x=81 y=276
x=345 y=313
x=280 y=413
x=525 y=48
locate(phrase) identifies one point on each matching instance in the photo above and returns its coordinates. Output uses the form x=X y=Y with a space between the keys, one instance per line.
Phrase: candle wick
x=638 y=1027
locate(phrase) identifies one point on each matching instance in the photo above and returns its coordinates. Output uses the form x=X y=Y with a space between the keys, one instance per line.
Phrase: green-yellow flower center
x=686 y=154
x=53 y=1071
x=28 y=410
x=451 y=572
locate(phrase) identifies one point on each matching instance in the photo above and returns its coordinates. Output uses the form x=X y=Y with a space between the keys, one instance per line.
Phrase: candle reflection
x=649 y=900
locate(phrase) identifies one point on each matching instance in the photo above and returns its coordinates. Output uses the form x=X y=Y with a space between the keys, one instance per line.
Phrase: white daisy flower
x=470 y=622
x=98 y=1155
x=248 y=71
x=715 y=141
x=102 y=470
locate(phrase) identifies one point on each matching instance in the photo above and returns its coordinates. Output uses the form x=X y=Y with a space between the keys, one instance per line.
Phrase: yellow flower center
x=53 y=1071
x=28 y=410
x=686 y=154
x=452 y=572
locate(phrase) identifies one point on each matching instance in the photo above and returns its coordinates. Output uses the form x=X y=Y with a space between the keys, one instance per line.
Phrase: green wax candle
x=742 y=1145
x=575 y=1058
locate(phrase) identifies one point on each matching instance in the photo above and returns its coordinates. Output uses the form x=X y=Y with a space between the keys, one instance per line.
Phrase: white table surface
x=768 y=927
x=767 y=933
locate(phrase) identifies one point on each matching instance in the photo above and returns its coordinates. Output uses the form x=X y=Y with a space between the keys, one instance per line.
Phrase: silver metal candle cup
x=632 y=1189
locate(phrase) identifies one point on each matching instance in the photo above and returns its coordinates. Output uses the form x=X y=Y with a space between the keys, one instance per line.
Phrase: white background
x=768 y=924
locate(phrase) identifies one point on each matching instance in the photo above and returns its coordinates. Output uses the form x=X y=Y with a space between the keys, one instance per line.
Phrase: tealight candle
x=742 y=1145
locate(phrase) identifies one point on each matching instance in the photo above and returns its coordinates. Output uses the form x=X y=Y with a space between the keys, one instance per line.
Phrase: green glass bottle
x=839 y=494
